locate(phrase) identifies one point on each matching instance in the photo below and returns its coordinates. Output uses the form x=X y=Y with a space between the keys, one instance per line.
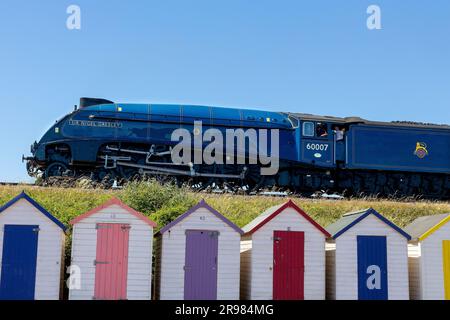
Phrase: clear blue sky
x=310 y=56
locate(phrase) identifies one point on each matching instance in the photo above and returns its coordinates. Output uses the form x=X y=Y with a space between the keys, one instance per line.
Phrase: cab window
x=321 y=130
x=308 y=129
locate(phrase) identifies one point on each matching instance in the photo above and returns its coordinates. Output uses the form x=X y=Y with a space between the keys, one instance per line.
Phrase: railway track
x=86 y=183
x=10 y=183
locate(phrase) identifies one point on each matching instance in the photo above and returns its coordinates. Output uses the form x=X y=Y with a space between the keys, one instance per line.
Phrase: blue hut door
x=18 y=273
x=372 y=268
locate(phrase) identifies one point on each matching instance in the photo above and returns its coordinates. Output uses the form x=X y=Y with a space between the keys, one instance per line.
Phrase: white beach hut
x=112 y=253
x=198 y=257
x=31 y=251
x=283 y=256
x=429 y=257
x=367 y=258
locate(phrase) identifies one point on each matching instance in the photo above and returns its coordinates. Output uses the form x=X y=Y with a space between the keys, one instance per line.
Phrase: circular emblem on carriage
x=421 y=150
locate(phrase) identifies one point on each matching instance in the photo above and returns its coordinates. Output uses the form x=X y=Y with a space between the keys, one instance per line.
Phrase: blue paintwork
x=393 y=149
x=372 y=263
x=18 y=276
x=321 y=156
x=154 y=124
x=23 y=195
x=379 y=216
x=368 y=146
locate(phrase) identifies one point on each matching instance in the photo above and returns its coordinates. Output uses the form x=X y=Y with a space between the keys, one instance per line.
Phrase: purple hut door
x=200 y=268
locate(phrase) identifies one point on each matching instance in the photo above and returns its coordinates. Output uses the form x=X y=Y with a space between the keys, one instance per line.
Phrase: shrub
x=154 y=199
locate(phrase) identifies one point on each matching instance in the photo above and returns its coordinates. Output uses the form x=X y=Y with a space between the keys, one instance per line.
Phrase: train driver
x=340 y=133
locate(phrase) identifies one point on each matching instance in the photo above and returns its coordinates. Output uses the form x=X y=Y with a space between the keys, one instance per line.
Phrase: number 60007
x=317 y=146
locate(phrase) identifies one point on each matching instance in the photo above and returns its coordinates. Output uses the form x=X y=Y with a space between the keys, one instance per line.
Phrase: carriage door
x=372 y=268
x=18 y=276
x=200 y=269
x=111 y=262
x=288 y=265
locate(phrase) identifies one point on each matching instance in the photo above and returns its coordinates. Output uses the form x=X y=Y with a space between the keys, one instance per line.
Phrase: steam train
x=108 y=140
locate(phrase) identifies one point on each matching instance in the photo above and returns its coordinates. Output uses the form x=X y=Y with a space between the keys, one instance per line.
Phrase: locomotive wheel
x=56 y=169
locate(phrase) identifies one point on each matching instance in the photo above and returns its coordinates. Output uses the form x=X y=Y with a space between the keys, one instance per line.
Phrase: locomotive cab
x=320 y=143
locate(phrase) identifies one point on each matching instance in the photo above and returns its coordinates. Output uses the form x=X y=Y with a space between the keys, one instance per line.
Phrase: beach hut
x=198 y=257
x=31 y=251
x=112 y=251
x=429 y=257
x=283 y=256
x=367 y=258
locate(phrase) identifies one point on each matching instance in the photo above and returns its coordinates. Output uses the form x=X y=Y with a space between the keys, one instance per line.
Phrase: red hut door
x=111 y=262
x=288 y=265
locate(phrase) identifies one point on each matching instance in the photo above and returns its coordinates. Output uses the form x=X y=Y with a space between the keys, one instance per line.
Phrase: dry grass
x=66 y=204
x=242 y=209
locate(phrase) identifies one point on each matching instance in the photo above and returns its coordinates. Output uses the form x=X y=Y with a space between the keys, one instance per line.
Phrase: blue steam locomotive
x=108 y=140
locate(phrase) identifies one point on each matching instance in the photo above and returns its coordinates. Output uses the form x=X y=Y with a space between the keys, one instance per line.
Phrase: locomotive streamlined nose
x=33 y=149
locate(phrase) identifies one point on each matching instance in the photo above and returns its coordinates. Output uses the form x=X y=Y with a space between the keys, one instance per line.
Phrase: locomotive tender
x=114 y=140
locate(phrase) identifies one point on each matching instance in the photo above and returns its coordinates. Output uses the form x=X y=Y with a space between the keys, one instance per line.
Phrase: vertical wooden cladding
x=367 y=258
x=111 y=263
x=283 y=256
x=31 y=248
x=288 y=265
x=429 y=257
x=198 y=257
x=112 y=246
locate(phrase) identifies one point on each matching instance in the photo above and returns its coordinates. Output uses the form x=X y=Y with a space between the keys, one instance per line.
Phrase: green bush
x=149 y=197
x=168 y=213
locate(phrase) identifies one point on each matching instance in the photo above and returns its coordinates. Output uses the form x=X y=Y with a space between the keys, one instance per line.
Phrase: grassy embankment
x=163 y=203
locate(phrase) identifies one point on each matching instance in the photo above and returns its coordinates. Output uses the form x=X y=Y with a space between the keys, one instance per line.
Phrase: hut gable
x=423 y=227
x=194 y=210
x=23 y=197
x=113 y=205
x=349 y=220
x=275 y=211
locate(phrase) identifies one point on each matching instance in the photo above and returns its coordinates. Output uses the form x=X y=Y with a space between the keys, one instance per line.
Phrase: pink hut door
x=111 y=263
